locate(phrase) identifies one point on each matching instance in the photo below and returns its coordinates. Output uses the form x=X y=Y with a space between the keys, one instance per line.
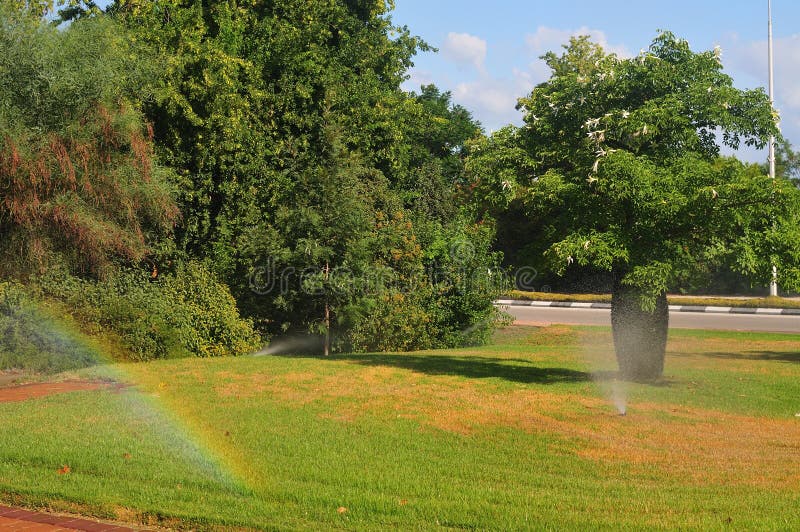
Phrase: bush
x=395 y=321
x=32 y=340
x=206 y=314
x=185 y=313
x=450 y=304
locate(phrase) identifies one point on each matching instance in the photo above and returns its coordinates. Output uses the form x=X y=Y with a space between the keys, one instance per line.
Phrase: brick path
x=23 y=392
x=12 y=519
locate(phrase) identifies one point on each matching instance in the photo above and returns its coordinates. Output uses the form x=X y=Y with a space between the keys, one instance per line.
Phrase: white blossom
x=592 y=123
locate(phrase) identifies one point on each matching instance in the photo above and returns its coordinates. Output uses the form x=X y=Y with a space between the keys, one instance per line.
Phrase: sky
x=488 y=52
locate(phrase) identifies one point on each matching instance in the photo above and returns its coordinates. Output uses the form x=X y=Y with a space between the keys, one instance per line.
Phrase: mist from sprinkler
x=610 y=383
x=292 y=344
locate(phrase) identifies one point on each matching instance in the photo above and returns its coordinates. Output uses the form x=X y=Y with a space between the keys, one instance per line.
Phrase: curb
x=674 y=308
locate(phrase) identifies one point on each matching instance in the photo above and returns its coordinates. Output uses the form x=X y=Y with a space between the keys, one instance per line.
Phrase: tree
x=78 y=183
x=620 y=160
x=245 y=110
x=244 y=92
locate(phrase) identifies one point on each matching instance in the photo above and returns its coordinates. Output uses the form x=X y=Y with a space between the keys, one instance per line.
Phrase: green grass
x=518 y=434
x=752 y=302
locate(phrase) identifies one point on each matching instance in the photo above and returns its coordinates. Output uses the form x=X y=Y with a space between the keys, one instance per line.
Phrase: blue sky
x=488 y=51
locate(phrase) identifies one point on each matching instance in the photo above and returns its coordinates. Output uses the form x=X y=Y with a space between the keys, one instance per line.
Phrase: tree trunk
x=640 y=337
x=327 y=348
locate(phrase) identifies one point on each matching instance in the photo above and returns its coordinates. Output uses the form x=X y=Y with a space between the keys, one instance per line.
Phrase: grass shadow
x=774 y=356
x=470 y=367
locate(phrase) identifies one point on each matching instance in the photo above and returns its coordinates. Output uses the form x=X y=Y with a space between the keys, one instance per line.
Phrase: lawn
x=519 y=434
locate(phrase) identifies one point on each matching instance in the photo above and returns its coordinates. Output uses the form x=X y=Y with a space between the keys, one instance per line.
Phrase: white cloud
x=463 y=48
x=492 y=96
x=417 y=78
x=751 y=59
x=551 y=39
x=492 y=100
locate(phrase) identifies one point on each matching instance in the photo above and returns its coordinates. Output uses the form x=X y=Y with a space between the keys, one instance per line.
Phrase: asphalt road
x=678 y=320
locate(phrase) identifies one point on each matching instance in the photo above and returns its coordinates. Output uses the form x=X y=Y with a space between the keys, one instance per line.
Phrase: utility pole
x=773 y=285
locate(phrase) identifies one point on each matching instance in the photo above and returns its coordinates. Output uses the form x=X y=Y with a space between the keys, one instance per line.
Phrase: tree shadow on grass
x=776 y=356
x=513 y=370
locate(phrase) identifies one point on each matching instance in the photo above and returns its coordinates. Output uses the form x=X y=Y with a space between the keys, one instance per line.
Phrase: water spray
x=619 y=396
x=291 y=344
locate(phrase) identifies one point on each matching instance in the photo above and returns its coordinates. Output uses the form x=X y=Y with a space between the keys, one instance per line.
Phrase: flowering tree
x=621 y=157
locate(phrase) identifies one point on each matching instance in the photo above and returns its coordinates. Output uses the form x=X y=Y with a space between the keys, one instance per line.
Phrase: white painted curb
x=674 y=308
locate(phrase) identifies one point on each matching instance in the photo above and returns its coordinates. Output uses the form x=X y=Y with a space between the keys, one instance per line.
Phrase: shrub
x=185 y=313
x=30 y=339
x=447 y=303
x=394 y=321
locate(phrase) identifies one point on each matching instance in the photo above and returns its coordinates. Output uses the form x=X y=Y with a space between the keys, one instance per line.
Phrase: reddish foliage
x=89 y=193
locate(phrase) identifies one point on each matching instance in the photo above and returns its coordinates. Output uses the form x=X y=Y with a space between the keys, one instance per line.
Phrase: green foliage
x=79 y=183
x=619 y=161
x=299 y=157
x=33 y=340
x=187 y=312
x=247 y=103
x=394 y=321
x=206 y=314
x=248 y=91
x=341 y=238
x=446 y=303
x=438 y=130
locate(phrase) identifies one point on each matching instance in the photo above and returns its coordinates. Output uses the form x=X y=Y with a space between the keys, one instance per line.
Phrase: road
x=678 y=320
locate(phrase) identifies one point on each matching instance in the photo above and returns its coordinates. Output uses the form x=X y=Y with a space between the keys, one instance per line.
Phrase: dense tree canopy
x=275 y=140
x=296 y=150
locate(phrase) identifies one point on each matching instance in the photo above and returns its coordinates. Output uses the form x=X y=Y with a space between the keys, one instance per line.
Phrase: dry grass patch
x=694 y=444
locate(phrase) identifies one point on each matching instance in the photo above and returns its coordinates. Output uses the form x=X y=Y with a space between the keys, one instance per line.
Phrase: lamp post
x=773 y=285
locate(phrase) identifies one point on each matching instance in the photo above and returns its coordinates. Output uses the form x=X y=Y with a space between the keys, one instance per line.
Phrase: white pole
x=773 y=286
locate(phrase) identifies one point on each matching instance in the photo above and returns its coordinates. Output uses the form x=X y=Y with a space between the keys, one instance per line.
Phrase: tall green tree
x=620 y=160
x=244 y=109
x=244 y=91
